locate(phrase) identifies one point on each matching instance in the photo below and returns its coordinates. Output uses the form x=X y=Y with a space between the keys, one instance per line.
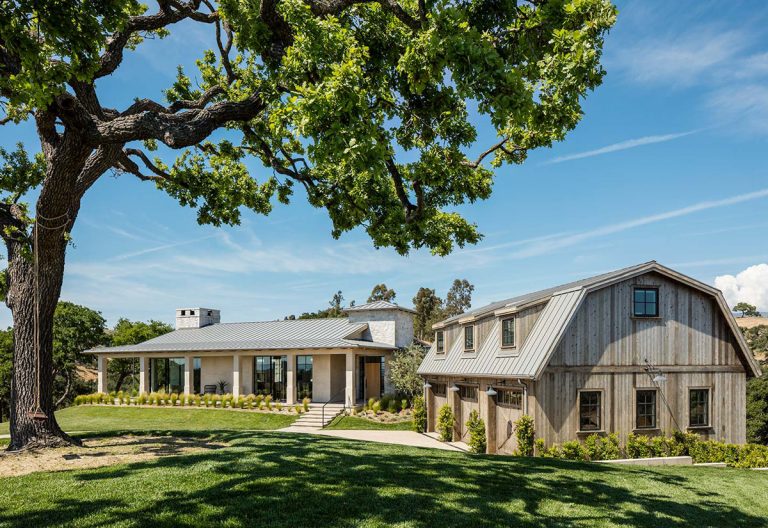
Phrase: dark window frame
x=468 y=393
x=513 y=344
x=440 y=342
x=645 y=303
x=439 y=389
x=471 y=346
x=645 y=409
x=512 y=398
x=589 y=407
x=705 y=403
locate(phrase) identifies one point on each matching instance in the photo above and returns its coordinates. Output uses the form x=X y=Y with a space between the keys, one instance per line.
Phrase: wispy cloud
x=622 y=145
x=549 y=245
x=156 y=249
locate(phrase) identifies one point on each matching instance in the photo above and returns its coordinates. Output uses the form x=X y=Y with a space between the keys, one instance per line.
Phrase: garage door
x=468 y=397
x=509 y=408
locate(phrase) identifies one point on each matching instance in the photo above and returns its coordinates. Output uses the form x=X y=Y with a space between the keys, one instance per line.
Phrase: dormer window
x=645 y=302
x=183 y=312
x=508 y=332
x=469 y=338
x=440 y=341
x=191 y=312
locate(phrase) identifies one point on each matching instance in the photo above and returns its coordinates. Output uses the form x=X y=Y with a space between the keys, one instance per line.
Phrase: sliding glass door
x=304 y=377
x=167 y=374
x=270 y=376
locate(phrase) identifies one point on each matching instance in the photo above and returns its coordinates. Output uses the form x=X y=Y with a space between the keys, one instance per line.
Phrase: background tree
x=402 y=370
x=128 y=332
x=459 y=298
x=335 y=309
x=746 y=309
x=326 y=94
x=380 y=292
x=75 y=328
x=428 y=308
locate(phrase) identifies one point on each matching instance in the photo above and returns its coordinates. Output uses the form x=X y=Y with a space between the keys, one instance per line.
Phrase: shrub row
x=596 y=447
x=387 y=403
x=224 y=401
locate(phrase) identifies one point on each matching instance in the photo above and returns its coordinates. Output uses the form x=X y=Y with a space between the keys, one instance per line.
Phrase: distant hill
x=751 y=322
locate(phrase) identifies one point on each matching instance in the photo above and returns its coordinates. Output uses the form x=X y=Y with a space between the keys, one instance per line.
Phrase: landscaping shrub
x=241 y=402
x=392 y=406
x=259 y=399
x=476 y=428
x=525 y=433
x=268 y=402
x=215 y=399
x=403 y=405
x=174 y=399
x=602 y=447
x=419 y=415
x=305 y=403
x=376 y=407
x=445 y=423
x=385 y=399
x=278 y=406
x=369 y=406
x=298 y=409
x=142 y=398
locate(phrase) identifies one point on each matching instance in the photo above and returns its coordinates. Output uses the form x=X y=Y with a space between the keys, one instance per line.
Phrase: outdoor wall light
x=491 y=392
x=659 y=378
x=427 y=385
x=454 y=388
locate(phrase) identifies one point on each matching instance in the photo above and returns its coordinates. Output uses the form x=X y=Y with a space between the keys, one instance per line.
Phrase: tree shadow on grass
x=277 y=479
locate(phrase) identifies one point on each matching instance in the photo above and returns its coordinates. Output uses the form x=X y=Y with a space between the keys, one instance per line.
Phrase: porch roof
x=264 y=335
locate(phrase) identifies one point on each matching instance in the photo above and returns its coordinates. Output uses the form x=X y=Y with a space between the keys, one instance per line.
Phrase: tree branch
x=501 y=145
x=334 y=7
x=412 y=212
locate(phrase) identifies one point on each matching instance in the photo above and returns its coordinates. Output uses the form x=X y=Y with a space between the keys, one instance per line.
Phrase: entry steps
x=313 y=419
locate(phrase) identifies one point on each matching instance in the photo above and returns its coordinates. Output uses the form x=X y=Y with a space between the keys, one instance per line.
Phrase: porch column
x=143 y=374
x=188 y=371
x=490 y=423
x=387 y=388
x=290 y=386
x=349 y=393
x=102 y=377
x=236 y=381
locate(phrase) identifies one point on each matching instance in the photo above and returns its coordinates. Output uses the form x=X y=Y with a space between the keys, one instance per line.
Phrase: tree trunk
x=32 y=377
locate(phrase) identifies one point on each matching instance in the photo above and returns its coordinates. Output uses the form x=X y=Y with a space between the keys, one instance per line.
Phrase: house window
x=508 y=332
x=646 y=302
x=191 y=312
x=645 y=409
x=440 y=340
x=510 y=398
x=468 y=392
x=438 y=389
x=699 y=408
x=589 y=410
x=469 y=337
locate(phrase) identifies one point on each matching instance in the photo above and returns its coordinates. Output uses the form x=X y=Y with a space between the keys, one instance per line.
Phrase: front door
x=373 y=380
x=304 y=377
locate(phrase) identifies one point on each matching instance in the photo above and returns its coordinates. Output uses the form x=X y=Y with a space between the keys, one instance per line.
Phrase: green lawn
x=354 y=422
x=86 y=418
x=279 y=479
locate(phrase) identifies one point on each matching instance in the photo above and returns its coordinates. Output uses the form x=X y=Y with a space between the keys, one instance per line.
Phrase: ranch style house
x=643 y=349
x=342 y=360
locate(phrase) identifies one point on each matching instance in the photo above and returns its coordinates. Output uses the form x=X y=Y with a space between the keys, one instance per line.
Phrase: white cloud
x=745 y=106
x=681 y=59
x=751 y=285
x=622 y=145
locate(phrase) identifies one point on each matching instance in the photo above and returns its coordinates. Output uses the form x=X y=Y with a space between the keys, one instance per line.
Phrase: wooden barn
x=643 y=349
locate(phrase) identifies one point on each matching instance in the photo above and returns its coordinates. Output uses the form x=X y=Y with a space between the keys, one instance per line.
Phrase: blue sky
x=669 y=163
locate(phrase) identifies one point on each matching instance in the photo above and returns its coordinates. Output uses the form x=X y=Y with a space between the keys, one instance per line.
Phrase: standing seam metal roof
x=266 y=335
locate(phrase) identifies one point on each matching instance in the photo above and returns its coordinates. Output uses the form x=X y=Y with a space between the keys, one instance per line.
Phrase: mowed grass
x=291 y=480
x=355 y=422
x=114 y=420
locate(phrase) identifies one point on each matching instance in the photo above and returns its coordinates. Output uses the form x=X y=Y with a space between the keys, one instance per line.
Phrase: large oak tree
x=363 y=104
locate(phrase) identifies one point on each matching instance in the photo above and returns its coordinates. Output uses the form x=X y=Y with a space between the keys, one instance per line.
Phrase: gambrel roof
x=562 y=303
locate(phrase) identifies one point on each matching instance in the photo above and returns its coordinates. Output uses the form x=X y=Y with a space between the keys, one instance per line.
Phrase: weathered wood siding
x=605 y=348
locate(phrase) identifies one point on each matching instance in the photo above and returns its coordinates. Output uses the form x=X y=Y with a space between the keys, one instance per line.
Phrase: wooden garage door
x=468 y=397
x=509 y=407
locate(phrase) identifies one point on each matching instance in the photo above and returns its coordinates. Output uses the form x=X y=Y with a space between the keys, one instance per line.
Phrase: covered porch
x=336 y=375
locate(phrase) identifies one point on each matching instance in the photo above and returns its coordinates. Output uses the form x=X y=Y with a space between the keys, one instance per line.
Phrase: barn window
x=468 y=392
x=510 y=398
x=438 y=389
x=699 y=407
x=589 y=410
x=646 y=302
x=469 y=337
x=645 y=409
x=440 y=340
x=508 y=332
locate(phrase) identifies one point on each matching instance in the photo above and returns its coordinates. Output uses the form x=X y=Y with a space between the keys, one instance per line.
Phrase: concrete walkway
x=407 y=438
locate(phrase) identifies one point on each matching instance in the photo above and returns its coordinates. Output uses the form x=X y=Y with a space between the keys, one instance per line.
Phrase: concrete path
x=408 y=438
